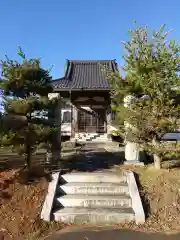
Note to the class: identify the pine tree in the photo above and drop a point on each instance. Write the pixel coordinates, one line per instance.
(152, 65)
(26, 126)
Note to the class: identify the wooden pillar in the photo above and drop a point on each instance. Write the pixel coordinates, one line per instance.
(108, 117)
(73, 121)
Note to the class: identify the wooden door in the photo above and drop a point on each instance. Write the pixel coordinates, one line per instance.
(87, 122)
(91, 123)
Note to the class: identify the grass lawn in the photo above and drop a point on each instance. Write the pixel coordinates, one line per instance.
(21, 204)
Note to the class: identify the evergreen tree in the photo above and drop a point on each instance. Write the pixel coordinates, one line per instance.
(26, 86)
(152, 65)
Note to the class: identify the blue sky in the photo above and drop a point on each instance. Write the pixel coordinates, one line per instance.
(57, 30)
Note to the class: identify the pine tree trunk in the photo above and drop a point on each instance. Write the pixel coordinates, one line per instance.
(157, 162)
(28, 146)
(28, 157)
(157, 158)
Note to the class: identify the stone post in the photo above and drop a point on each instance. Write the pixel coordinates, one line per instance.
(108, 120)
(132, 151)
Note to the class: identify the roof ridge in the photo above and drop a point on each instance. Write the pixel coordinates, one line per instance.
(95, 60)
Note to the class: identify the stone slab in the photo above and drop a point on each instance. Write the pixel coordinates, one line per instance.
(94, 216)
(93, 201)
(95, 177)
(94, 188)
(136, 200)
(49, 200)
(135, 163)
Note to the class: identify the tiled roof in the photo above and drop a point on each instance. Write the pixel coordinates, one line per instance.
(85, 74)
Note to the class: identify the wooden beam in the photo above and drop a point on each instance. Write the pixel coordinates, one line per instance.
(90, 102)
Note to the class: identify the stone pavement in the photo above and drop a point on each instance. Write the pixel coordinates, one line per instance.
(95, 156)
(109, 234)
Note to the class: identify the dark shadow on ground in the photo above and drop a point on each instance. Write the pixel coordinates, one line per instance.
(88, 159)
(4, 193)
(108, 234)
(168, 162)
(24, 176)
(68, 150)
(92, 158)
(34, 175)
(172, 161)
(4, 185)
(117, 139)
(65, 138)
(13, 161)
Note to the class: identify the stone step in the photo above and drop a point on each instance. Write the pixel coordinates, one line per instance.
(94, 188)
(90, 134)
(93, 139)
(101, 138)
(96, 139)
(95, 177)
(93, 136)
(93, 201)
(94, 215)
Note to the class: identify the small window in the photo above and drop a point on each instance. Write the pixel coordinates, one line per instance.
(66, 118)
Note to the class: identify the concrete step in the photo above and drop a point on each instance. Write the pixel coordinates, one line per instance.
(94, 188)
(97, 139)
(101, 138)
(94, 141)
(95, 177)
(91, 136)
(93, 201)
(94, 215)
